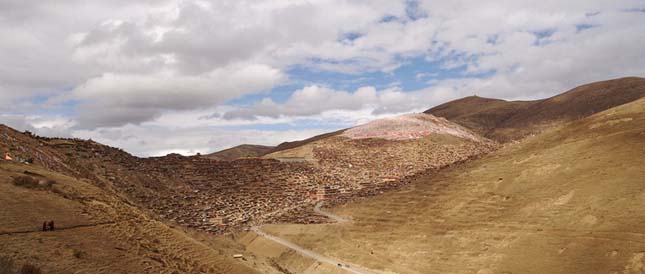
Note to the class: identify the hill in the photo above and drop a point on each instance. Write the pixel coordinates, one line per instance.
(95, 231)
(565, 201)
(482, 115)
(241, 151)
(505, 121)
(383, 153)
(294, 144)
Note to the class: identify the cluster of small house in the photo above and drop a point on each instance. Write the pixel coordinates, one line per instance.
(218, 196)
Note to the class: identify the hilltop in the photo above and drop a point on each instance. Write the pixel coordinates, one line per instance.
(241, 151)
(385, 152)
(505, 121)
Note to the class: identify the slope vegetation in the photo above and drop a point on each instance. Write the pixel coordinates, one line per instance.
(505, 121)
(566, 201)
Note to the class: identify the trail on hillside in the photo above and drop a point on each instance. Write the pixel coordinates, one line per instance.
(57, 229)
(349, 267)
(332, 216)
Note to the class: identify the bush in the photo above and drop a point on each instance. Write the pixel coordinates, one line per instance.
(25, 181)
(6, 266)
(30, 269)
(79, 253)
(31, 182)
(49, 183)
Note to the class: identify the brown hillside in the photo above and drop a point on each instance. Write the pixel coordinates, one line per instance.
(241, 151)
(386, 151)
(566, 201)
(95, 231)
(504, 121)
(294, 144)
(482, 115)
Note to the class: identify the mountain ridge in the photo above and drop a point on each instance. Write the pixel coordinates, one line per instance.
(506, 121)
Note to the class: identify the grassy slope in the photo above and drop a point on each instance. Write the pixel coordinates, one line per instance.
(481, 115)
(504, 121)
(566, 201)
(96, 232)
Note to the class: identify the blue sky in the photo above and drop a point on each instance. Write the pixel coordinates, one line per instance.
(198, 76)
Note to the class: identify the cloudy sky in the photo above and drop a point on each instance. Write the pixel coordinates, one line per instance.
(160, 76)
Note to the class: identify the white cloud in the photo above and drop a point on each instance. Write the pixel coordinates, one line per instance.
(129, 98)
(314, 101)
(145, 65)
(311, 100)
(40, 125)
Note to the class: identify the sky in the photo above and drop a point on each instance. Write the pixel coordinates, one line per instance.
(184, 76)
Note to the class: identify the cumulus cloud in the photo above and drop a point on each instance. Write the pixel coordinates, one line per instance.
(40, 125)
(128, 98)
(311, 100)
(132, 66)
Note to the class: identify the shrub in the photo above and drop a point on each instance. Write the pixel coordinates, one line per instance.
(30, 269)
(79, 253)
(25, 181)
(49, 183)
(31, 182)
(6, 266)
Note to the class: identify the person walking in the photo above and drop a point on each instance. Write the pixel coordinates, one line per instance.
(45, 226)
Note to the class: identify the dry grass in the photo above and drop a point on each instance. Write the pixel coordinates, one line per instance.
(506, 121)
(7, 266)
(96, 232)
(567, 201)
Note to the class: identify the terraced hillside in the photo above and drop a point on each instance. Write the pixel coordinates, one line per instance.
(565, 201)
(225, 196)
(505, 121)
(381, 154)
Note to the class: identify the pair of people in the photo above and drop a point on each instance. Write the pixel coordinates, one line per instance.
(48, 225)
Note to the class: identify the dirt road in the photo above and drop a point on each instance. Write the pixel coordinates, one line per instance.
(349, 267)
(332, 216)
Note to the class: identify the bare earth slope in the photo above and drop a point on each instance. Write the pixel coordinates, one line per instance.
(241, 151)
(504, 121)
(566, 201)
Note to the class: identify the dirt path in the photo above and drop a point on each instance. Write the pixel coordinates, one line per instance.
(332, 216)
(349, 267)
(57, 229)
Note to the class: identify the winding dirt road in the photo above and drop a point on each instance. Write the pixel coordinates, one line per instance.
(349, 267)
